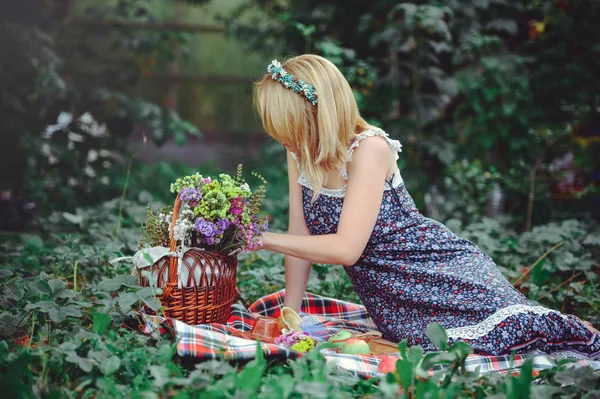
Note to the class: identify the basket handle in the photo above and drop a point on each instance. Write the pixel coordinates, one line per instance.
(173, 247)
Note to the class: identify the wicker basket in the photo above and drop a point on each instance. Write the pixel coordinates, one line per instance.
(208, 286)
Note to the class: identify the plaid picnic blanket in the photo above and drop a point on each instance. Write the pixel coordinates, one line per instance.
(212, 341)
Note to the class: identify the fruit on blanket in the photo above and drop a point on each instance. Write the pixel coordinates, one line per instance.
(387, 365)
(340, 335)
(356, 347)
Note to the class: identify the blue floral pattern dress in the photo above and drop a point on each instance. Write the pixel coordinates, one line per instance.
(415, 271)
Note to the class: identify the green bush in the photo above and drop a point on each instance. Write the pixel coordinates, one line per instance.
(503, 82)
(65, 313)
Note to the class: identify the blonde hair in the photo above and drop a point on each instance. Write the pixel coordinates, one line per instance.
(319, 135)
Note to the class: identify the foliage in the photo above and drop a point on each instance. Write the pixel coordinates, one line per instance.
(65, 339)
(67, 317)
(506, 83)
(52, 63)
(73, 158)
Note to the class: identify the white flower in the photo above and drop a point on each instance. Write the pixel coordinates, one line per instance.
(105, 153)
(46, 149)
(50, 130)
(72, 181)
(106, 164)
(92, 155)
(89, 171)
(165, 218)
(182, 229)
(98, 130)
(94, 129)
(245, 187)
(75, 137)
(86, 118)
(104, 180)
(64, 119)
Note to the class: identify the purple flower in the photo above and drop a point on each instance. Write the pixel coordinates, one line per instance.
(265, 225)
(190, 194)
(222, 225)
(206, 228)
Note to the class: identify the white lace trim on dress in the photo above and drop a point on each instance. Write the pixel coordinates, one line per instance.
(486, 326)
(395, 145)
(341, 192)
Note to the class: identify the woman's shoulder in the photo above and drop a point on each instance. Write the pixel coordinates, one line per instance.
(376, 145)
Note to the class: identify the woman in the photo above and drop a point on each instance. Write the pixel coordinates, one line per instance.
(349, 206)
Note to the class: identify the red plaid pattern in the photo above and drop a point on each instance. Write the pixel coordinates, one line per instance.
(211, 341)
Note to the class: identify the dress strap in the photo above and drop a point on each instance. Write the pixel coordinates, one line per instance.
(295, 159)
(395, 145)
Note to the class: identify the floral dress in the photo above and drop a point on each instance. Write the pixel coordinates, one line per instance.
(415, 271)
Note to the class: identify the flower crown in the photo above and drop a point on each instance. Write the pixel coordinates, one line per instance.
(290, 81)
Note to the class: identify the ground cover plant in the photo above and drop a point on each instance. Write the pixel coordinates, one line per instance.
(68, 318)
(470, 87)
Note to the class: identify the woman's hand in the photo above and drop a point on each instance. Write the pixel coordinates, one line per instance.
(257, 243)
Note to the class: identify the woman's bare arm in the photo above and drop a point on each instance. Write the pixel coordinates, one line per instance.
(368, 171)
(297, 270)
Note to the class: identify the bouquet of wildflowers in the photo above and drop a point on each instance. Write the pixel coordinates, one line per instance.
(297, 341)
(216, 214)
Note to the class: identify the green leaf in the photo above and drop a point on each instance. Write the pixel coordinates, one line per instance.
(57, 285)
(114, 284)
(404, 367)
(286, 385)
(83, 363)
(42, 286)
(71, 218)
(16, 378)
(71, 311)
(57, 315)
(432, 359)
(5, 274)
(462, 349)
(405, 371)
(110, 365)
(415, 354)
(160, 374)
(153, 303)
(109, 285)
(43, 306)
(249, 379)
(437, 335)
(101, 323)
(34, 241)
(148, 292)
(127, 280)
(127, 299)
